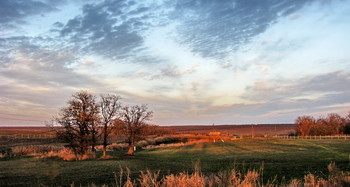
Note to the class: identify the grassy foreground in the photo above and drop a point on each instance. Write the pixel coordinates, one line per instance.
(285, 159)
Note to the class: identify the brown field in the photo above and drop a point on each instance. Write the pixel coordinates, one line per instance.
(24, 130)
(245, 130)
(228, 130)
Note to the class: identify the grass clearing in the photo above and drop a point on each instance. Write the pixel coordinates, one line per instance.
(281, 158)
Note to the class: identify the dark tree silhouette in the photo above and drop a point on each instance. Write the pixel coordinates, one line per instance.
(331, 125)
(110, 107)
(347, 127)
(335, 123)
(133, 122)
(304, 125)
(79, 121)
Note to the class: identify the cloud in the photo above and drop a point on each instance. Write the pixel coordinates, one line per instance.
(216, 29)
(14, 12)
(172, 71)
(195, 61)
(332, 82)
(117, 29)
(37, 79)
(32, 64)
(113, 29)
(273, 101)
(305, 94)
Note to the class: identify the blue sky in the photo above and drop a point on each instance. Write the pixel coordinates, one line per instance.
(192, 62)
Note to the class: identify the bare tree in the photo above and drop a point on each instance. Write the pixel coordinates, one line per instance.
(79, 122)
(347, 127)
(133, 121)
(331, 125)
(336, 124)
(110, 107)
(304, 124)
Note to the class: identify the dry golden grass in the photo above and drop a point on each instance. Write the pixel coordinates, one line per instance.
(68, 155)
(227, 179)
(46, 151)
(33, 150)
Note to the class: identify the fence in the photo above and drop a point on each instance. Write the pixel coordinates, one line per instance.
(342, 137)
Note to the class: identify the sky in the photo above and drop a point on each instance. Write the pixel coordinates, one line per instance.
(193, 62)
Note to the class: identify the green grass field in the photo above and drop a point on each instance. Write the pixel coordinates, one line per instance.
(281, 158)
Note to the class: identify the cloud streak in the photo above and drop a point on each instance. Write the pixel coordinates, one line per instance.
(193, 62)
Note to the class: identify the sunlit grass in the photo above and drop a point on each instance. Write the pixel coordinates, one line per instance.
(281, 158)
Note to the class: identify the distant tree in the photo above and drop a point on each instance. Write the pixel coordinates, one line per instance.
(109, 107)
(331, 125)
(335, 123)
(320, 128)
(304, 124)
(347, 127)
(79, 122)
(132, 122)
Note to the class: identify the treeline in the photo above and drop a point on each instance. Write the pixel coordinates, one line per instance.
(333, 124)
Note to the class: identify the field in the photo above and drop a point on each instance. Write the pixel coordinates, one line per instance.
(280, 159)
(244, 130)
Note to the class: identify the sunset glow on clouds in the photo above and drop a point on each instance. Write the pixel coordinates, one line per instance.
(192, 62)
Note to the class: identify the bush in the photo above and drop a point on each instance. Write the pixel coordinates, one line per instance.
(142, 143)
(118, 146)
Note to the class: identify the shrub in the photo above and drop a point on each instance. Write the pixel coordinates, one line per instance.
(150, 141)
(118, 146)
(142, 143)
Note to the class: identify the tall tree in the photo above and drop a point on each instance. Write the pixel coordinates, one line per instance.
(133, 121)
(110, 107)
(304, 124)
(336, 124)
(79, 122)
(347, 127)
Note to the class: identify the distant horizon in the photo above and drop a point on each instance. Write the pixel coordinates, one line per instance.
(166, 125)
(191, 62)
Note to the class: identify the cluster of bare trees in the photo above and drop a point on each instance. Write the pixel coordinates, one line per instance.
(85, 120)
(331, 125)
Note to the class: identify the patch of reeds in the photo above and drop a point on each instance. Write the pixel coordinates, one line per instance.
(46, 151)
(33, 150)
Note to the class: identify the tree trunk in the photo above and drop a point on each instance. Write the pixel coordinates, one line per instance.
(131, 149)
(93, 144)
(105, 141)
(93, 141)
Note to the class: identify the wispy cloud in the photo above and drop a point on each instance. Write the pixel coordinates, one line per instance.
(191, 61)
(14, 13)
(217, 29)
